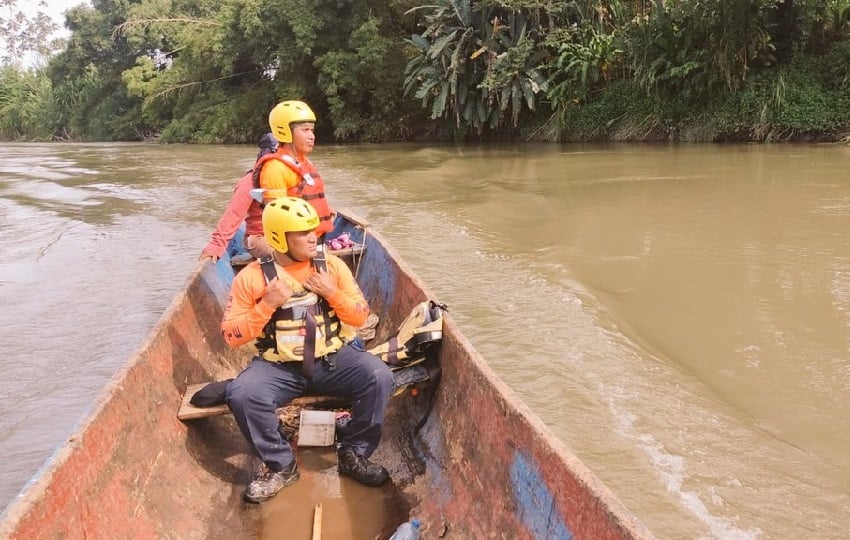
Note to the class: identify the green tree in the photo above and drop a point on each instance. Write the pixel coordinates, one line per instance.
(25, 104)
(26, 38)
(26, 99)
(479, 62)
(211, 71)
(588, 56)
(696, 51)
(86, 76)
(362, 86)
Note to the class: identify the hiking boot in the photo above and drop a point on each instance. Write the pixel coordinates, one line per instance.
(360, 468)
(267, 483)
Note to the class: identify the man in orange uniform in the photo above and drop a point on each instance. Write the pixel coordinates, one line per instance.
(302, 310)
(288, 171)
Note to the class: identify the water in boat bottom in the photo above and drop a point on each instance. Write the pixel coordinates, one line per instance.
(348, 508)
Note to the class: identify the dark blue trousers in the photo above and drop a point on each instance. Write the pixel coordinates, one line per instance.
(361, 377)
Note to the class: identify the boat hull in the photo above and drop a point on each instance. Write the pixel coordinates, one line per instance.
(469, 458)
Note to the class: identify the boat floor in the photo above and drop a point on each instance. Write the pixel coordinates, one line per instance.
(349, 510)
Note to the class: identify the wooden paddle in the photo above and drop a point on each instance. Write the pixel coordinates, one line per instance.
(317, 522)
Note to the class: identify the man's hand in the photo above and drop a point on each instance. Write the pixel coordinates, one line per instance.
(321, 283)
(278, 292)
(208, 255)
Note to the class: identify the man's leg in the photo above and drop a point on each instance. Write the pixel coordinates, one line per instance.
(367, 381)
(257, 246)
(253, 397)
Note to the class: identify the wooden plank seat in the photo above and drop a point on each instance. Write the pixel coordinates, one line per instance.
(190, 412)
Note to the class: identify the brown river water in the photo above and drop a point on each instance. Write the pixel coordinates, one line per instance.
(678, 315)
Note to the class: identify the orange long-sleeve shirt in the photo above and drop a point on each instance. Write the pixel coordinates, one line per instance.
(246, 314)
(242, 207)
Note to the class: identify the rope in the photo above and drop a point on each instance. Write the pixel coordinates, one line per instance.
(357, 257)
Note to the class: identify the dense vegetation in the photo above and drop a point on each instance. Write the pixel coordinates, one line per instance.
(210, 70)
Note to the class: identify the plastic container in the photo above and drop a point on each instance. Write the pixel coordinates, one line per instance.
(409, 530)
(316, 428)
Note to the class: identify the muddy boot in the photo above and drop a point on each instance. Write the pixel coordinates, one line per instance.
(267, 483)
(360, 468)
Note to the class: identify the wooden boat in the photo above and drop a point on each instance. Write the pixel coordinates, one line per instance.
(466, 456)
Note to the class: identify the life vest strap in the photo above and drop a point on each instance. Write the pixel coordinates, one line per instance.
(270, 272)
(422, 328)
(320, 263)
(309, 347)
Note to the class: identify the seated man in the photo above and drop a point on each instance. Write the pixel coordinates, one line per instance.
(301, 309)
(289, 171)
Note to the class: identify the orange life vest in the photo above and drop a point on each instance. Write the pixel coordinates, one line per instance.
(311, 187)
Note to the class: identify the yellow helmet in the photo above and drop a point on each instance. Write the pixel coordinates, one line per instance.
(286, 113)
(287, 214)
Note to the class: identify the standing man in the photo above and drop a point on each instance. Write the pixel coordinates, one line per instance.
(302, 311)
(288, 171)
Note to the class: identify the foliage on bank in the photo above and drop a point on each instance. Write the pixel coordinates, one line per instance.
(209, 70)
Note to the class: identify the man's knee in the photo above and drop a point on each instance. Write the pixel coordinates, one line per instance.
(235, 395)
(257, 246)
(372, 370)
(383, 378)
(242, 394)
